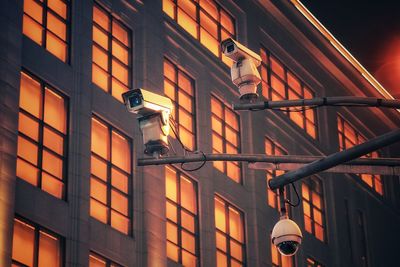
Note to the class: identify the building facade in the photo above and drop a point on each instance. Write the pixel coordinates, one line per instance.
(71, 192)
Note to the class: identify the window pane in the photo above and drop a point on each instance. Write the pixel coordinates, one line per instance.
(188, 259)
(98, 190)
(171, 212)
(209, 41)
(119, 180)
(221, 260)
(220, 221)
(120, 222)
(56, 26)
(168, 8)
(120, 52)
(119, 202)
(34, 10)
(236, 250)
(120, 33)
(188, 242)
(100, 77)
(220, 241)
(98, 168)
(120, 72)
(54, 111)
(170, 186)
(56, 46)
(117, 89)
(188, 196)
(52, 185)
(101, 18)
(30, 95)
(100, 139)
(32, 29)
(235, 225)
(53, 141)
(96, 262)
(27, 150)
(59, 7)
(100, 37)
(120, 153)
(172, 251)
(27, 172)
(23, 243)
(28, 126)
(172, 233)
(100, 57)
(49, 250)
(52, 164)
(98, 211)
(187, 221)
(187, 23)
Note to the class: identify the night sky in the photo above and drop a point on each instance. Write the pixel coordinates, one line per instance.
(370, 30)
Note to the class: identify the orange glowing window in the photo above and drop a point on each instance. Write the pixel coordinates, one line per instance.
(179, 87)
(279, 83)
(349, 137)
(310, 262)
(313, 207)
(205, 20)
(42, 135)
(278, 260)
(111, 53)
(182, 218)
(225, 137)
(47, 23)
(273, 148)
(96, 260)
(35, 246)
(111, 177)
(229, 234)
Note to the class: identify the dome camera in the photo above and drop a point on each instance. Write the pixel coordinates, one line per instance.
(286, 236)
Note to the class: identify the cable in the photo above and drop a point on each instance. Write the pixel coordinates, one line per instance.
(185, 149)
(297, 195)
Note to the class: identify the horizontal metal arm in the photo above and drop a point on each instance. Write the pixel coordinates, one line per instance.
(349, 101)
(335, 159)
(253, 158)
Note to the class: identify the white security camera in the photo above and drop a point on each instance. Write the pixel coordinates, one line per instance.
(286, 236)
(154, 111)
(244, 71)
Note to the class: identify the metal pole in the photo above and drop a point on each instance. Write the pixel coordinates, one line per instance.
(251, 158)
(335, 159)
(349, 101)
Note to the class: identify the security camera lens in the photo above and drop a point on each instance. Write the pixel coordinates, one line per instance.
(230, 48)
(135, 100)
(288, 247)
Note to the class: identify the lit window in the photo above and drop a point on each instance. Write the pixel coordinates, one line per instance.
(47, 23)
(349, 137)
(273, 149)
(179, 87)
(182, 218)
(34, 246)
(225, 137)
(42, 135)
(313, 207)
(229, 235)
(111, 53)
(278, 260)
(98, 261)
(111, 177)
(205, 20)
(279, 83)
(313, 263)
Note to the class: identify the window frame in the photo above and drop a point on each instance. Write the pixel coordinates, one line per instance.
(197, 20)
(43, 25)
(41, 126)
(306, 91)
(227, 234)
(224, 106)
(310, 183)
(107, 261)
(342, 137)
(37, 229)
(179, 209)
(108, 183)
(109, 52)
(176, 104)
(311, 262)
